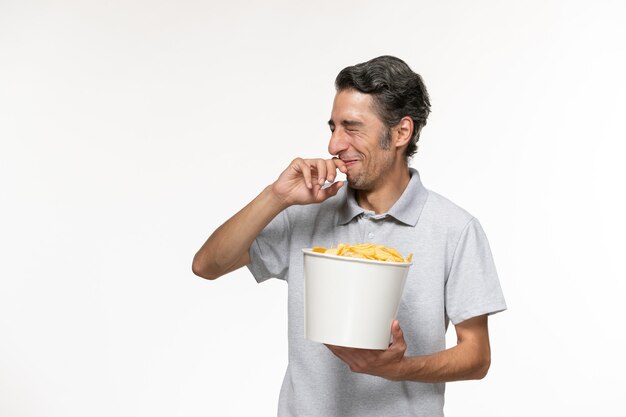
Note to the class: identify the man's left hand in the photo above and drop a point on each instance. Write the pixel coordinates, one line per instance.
(383, 363)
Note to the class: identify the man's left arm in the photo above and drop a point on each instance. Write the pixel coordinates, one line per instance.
(469, 359)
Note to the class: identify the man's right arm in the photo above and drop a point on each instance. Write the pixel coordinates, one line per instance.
(228, 248)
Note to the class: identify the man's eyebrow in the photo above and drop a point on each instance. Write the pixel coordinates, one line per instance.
(347, 123)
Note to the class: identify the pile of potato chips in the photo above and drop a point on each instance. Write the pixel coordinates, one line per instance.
(366, 251)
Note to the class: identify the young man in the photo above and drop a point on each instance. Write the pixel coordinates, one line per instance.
(378, 113)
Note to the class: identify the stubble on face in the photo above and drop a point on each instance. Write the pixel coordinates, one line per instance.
(379, 163)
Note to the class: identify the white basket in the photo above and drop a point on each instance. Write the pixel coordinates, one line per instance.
(350, 301)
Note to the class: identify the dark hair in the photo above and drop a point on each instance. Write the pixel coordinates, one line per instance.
(397, 92)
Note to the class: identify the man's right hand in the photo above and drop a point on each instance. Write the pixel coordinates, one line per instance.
(302, 181)
(228, 248)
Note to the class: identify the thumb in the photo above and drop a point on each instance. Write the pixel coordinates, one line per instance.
(396, 332)
(329, 191)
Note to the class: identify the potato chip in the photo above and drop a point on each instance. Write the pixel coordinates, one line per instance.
(366, 251)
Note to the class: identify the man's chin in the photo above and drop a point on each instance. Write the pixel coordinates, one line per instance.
(357, 183)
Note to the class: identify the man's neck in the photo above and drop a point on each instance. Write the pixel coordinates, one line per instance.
(382, 197)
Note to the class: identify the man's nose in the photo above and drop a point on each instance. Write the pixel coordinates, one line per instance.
(338, 143)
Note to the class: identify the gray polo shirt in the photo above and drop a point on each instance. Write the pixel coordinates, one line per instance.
(453, 278)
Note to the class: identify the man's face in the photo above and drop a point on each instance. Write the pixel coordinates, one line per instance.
(357, 135)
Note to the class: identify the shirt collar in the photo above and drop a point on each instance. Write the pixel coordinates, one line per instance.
(406, 209)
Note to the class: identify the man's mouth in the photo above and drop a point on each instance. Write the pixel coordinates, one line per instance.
(349, 162)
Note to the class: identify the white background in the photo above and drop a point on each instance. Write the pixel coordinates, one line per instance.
(129, 130)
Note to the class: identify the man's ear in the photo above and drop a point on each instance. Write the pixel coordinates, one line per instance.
(403, 132)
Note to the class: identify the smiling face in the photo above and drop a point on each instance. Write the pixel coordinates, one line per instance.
(360, 139)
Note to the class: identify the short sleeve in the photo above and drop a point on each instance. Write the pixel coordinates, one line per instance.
(472, 285)
(269, 253)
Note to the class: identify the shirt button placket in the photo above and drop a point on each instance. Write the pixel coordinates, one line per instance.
(369, 223)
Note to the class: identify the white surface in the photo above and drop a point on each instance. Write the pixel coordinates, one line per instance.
(351, 302)
(129, 130)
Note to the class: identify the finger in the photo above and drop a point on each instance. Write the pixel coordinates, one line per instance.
(316, 192)
(396, 331)
(331, 170)
(320, 165)
(395, 325)
(397, 335)
(340, 165)
(337, 351)
(304, 168)
(347, 356)
(326, 193)
(334, 189)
